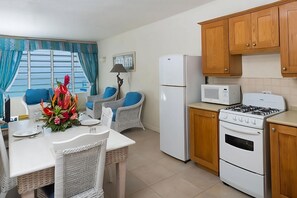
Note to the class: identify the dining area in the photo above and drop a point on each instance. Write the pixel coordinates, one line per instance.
(33, 155)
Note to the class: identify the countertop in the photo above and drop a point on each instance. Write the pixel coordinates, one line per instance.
(207, 106)
(287, 118)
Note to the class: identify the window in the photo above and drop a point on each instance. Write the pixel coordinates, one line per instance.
(42, 68)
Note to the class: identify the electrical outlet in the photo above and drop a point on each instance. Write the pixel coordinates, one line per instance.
(266, 92)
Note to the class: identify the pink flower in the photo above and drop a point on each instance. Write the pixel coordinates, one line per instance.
(57, 120)
(74, 116)
(66, 80)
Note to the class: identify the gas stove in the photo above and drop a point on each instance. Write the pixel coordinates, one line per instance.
(244, 156)
(253, 111)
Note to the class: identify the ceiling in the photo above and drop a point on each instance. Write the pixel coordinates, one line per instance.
(85, 20)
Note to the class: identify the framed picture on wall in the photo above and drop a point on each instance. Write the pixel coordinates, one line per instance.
(127, 59)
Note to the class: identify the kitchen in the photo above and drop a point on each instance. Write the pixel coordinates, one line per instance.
(236, 146)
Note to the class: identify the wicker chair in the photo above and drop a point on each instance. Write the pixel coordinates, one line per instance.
(126, 114)
(79, 167)
(6, 182)
(106, 117)
(94, 103)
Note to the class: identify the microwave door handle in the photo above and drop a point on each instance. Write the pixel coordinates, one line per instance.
(242, 130)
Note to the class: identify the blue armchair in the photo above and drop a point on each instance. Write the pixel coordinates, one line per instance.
(94, 103)
(126, 111)
(32, 98)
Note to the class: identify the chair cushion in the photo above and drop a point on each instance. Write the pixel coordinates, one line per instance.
(89, 105)
(131, 98)
(49, 190)
(34, 96)
(114, 113)
(109, 91)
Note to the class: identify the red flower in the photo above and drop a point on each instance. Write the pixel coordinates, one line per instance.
(66, 80)
(73, 109)
(63, 89)
(66, 117)
(48, 111)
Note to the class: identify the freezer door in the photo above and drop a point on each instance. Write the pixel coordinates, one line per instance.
(172, 70)
(173, 137)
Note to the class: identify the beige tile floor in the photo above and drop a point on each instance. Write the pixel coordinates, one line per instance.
(153, 174)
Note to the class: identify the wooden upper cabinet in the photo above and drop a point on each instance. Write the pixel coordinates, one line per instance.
(288, 39)
(240, 32)
(216, 59)
(255, 32)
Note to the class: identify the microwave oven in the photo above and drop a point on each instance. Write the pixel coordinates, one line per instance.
(220, 94)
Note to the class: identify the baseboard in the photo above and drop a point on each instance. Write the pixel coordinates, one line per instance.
(151, 127)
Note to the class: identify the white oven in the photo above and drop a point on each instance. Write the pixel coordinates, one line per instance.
(241, 158)
(242, 146)
(244, 143)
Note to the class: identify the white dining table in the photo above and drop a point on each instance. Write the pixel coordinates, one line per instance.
(32, 159)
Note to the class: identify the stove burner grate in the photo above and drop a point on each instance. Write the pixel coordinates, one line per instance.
(253, 109)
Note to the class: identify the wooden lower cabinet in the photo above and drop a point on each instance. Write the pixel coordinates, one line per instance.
(283, 153)
(204, 139)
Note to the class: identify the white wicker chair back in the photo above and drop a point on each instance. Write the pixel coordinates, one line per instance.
(6, 183)
(80, 164)
(106, 117)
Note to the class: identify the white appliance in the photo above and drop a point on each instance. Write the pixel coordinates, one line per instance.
(180, 82)
(220, 94)
(244, 143)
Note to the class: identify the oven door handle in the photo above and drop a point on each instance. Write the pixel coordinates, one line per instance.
(242, 130)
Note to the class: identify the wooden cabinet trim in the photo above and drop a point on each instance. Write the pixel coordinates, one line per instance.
(248, 11)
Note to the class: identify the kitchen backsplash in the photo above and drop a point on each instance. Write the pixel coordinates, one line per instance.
(287, 87)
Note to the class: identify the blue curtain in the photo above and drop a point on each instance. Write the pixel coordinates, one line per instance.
(89, 63)
(12, 51)
(9, 63)
(7, 44)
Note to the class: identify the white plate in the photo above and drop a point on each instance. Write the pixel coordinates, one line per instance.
(25, 133)
(89, 122)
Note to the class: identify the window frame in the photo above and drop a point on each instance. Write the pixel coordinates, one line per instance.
(73, 66)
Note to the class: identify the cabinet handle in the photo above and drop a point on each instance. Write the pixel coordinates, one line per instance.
(273, 129)
(247, 44)
(284, 68)
(226, 69)
(213, 116)
(254, 44)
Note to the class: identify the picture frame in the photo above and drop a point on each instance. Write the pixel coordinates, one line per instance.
(126, 59)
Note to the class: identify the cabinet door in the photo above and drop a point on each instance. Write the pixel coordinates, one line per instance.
(204, 138)
(240, 33)
(265, 31)
(283, 152)
(215, 49)
(288, 36)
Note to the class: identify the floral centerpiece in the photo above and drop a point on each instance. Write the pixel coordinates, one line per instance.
(61, 113)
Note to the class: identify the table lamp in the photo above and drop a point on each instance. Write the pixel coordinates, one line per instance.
(118, 68)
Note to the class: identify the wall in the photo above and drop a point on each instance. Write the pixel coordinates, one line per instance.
(177, 34)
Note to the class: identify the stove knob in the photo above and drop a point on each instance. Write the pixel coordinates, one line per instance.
(254, 122)
(240, 119)
(246, 120)
(234, 118)
(225, 116)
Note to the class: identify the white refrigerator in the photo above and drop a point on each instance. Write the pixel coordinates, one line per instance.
(180, 83)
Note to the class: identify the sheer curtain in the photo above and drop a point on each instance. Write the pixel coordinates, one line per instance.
(9, 63)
